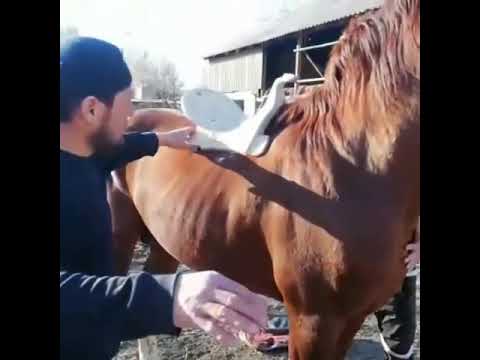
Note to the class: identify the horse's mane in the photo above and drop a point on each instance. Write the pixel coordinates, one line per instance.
(371, 84)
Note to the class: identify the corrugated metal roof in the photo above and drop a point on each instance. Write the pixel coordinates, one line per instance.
(315, 13)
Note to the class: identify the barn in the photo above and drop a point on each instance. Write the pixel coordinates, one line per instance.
(298, 42)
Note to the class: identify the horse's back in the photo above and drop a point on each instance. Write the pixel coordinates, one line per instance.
(163, 119)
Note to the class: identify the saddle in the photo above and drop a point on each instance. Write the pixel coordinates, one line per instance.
(222, 125)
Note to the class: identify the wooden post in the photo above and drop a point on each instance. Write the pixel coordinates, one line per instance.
(264, 70)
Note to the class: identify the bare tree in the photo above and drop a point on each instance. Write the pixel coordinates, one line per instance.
(142, 68)
(157, 81)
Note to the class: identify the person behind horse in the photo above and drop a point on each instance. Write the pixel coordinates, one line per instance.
(98, 310)
(397, 320)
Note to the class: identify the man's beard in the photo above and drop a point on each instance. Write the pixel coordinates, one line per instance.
(102, 141)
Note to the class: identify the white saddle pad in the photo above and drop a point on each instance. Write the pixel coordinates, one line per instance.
(222, 125)
(212, 110)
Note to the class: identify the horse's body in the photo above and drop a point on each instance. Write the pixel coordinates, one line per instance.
(322, 220)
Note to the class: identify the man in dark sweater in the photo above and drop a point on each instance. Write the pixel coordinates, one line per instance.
(97, 309)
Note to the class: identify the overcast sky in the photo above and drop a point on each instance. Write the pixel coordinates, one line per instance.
(180, 30)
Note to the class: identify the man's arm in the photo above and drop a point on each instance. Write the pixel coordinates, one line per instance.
(134, 147)
(138, 145)
(98, 312)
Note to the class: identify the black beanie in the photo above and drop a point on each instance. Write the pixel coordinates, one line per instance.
(90, 67)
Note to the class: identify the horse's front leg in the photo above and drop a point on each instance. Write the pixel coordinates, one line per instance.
(313, 336)
(314, 324)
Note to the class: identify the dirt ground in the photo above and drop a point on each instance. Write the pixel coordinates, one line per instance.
(196, 345)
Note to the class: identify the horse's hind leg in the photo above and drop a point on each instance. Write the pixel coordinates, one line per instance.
(127, 228)
(159, 261)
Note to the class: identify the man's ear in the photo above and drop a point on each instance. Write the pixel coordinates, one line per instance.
(92, 111)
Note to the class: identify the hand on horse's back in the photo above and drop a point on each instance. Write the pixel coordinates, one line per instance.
(178, 139)
(219, 306)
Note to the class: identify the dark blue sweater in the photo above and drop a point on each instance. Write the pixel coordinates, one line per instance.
(97, 309)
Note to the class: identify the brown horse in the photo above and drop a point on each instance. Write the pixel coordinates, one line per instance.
(322, 220)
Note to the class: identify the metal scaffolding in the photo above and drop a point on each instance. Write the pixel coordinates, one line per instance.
(298, 52)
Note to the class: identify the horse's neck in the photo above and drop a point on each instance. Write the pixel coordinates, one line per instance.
(355, 150)
(369, 134)
(385, 165)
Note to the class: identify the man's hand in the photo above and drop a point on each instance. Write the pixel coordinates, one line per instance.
(178, 139)
(413, 251)
(219, 306)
